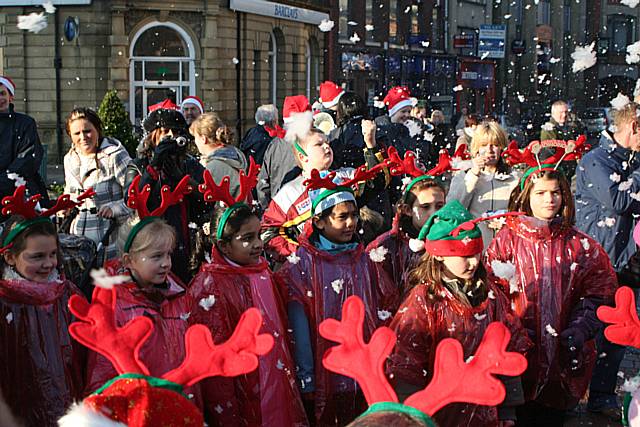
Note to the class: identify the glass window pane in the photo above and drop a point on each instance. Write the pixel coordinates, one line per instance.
(138, 114)
(161, 71)
(393, 20)
(185, 71)
(160, 41)
(137, 70)
(343, 26)
(159, 94)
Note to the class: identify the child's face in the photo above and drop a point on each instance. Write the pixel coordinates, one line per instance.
(458, 267)
(246, 245)
(427, 201)
(319, 154)
(340, 225)
(152, 265)
(38, 259)
(545, 199)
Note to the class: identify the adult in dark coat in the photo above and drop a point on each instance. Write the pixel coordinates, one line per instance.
(21, 152)
(257, 139)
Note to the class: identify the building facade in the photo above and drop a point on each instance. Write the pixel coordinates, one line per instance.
(235, 55)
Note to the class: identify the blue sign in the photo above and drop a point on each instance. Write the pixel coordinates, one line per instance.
(491, 41)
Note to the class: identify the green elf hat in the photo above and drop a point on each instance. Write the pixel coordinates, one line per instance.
(452, 231)
(18, 204)
(220, 193)
(327, 190)
(407, 166)
(453, 380)
(138, 200)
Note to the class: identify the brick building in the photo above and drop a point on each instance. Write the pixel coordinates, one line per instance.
(235, 55)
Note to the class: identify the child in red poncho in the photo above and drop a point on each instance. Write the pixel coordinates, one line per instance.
(450, 298)
(556, 276)
(41, 369)
(236, 279)
(329, 266)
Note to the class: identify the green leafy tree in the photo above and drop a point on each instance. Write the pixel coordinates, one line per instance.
(115, 121)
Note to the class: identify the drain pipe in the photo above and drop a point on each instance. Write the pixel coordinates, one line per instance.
(238, 77)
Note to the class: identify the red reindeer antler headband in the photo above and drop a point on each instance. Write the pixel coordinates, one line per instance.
(407, 166)
(138, 200)
(453, 379)
(221, 193)
(26, 207)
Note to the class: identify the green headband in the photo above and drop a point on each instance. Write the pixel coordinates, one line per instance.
(23, 225)
(299, 148)
(225, 217)
(531, 171)
(415, 181)
(136, 229)
(153, 382)
(328, 193)
(399, 407)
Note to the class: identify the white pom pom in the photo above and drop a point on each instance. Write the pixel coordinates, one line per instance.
(82, 416)
(416, 245)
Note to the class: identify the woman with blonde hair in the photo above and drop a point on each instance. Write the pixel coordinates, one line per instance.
(218, 155)
(486, 187)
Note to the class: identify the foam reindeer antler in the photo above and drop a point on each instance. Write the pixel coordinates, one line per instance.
(462, 153)
(99, 332)
(625, 326)
(138, 198)
(238, 355)
(403, 166)
(468, 225)
(361, 174)
(564, 151)
(444, 164)
(453, 379)
(369, 371)
(18, 205)
(64, 202)
(514, 156)
(221, 193)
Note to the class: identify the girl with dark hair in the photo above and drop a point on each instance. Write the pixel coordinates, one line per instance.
(556, 277)
(98, 162)
(235, 279)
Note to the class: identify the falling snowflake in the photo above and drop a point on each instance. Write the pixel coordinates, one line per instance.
(34, 22)
(384, 315)
(452, 328)
(235, 61)
(584, 57)
(218, 409)
(630, 3)
(609, 222)
(504, 270)
(428, 136)
(416, 245)
(633, 53)
(337, 285)
(521, 98)
(414, 127)
(457, 88)
(551, 331)
(49, 7)
(185, 316)
(425, 43)
(103, 280)
(293, 258)
(193, 226)
(378, 254)
(547, 126)
(355, 38)
(279, 364)
(326, 25)
(620, 101)
(469, 359)
(585, 244)
(479, 316)
(207, 302)
(614, 177)
(9, 317)
(368, 27)
(18, 180)
(573, 266)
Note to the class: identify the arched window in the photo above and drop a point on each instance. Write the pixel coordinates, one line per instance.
(313, 68)
(162, 66)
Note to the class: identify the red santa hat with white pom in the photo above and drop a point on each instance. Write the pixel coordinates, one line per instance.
(397, 98)
(330, 94)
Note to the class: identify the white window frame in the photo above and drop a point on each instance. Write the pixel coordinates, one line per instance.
(273, 70)
(178, 84)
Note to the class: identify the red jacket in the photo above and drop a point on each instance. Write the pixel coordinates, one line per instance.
(561, 276)
(424, 320)
(41, 366)
(269, 396)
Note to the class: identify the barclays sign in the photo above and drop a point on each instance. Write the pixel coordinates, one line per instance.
(278, 10)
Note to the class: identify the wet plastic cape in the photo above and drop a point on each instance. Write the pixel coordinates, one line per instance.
(424, 320)
(321, 282)
(168, 309)
(561, 276)
(41, 368)
(269, 396)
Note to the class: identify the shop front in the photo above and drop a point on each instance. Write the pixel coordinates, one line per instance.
(477, 83)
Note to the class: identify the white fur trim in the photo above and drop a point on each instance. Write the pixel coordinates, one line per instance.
(193, 101)
(400, 105)
(298, 125)
(10, 87)
(333, 102)
(81, 416)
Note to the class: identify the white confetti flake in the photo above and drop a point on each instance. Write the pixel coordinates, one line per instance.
(235, 61)
(469, 359)
(378, 254)
(310, 294)
(547, 126)
(503, 270)
(425, 43)
(573, 266)
(521, 98)
(551, 331)
(355, 38)
(633, 53)
(293, 258)
(631, 385)
(384, 315)
(630, 3)
(337, 285)
(49, 7)
(18, 180)
(614, 177)
(452, 328)
(103, 280)
(185, 316)
(9, 317)
(479, 316)
(414, 127)
(416, 245)
(279, 364)
(626, 185)
(583, 57)
(620, 101)
(207, 302)
(585, 244)
(457, 88)
(491, 295)
(609, 222)
(368, 27)
(33, 22)
(193, 226)
(218, 409)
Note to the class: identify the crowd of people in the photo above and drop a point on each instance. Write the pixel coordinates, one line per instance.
(439, 235)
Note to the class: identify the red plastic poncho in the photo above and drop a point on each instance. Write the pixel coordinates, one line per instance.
(394, 270)
(321, 282)
(269, 396)
(167, 308)
(41, 367)
(423, 320)
(559, 271)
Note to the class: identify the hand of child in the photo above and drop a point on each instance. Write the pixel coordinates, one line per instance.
(369, 133)
(479, 162)
(105, 212)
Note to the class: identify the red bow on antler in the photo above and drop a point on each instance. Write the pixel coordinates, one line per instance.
(360, 175)
(138, 198)
(121, 345)
(453, 379)
(275, 131)
(18, 205)
(625, 326)
(220, 192)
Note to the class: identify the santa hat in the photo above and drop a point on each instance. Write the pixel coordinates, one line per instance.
(397, 98)
(167, 104)
(294, 105)
(9, 84)
(330, 94)
(193, 100)
(136, 399)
